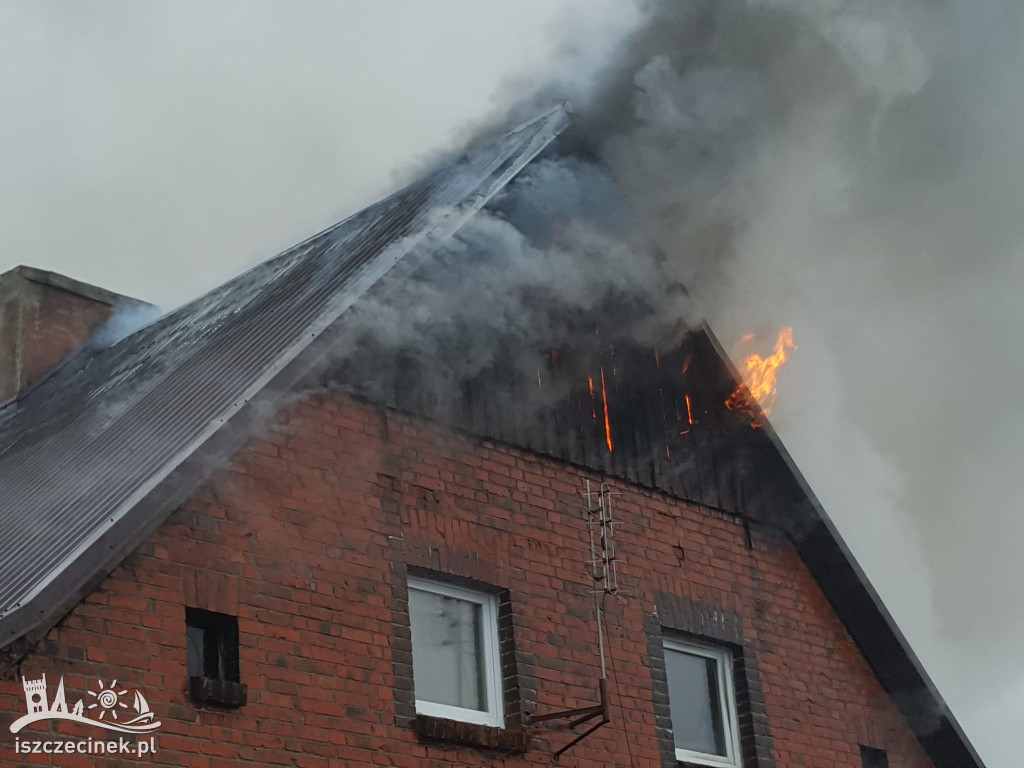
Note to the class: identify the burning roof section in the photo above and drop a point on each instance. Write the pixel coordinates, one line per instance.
(94, 457)
(81, 451)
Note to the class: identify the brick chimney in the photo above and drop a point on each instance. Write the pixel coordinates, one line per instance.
(43, 317)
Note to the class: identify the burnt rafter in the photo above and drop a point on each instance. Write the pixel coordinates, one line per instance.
(652, 413)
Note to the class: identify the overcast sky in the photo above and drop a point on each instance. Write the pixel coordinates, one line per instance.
(157, 149)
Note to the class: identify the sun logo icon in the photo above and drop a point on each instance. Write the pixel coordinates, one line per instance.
(108, 699)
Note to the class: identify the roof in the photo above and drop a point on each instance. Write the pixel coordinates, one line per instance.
(97, 455)
(81, 451)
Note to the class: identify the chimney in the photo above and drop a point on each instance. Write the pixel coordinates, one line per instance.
(43, 317)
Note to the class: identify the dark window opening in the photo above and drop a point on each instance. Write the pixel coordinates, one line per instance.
(211, 658)
(212, 645)
(873, 758)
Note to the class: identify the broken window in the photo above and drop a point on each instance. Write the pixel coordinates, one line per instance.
(212, 645)
(211, 658)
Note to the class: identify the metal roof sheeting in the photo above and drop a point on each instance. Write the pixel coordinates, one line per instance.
(80, 451)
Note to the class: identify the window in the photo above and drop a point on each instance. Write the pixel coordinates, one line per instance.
(873, 758)
(702, 703)
(455, 659)
(212, 645)
(211, 658)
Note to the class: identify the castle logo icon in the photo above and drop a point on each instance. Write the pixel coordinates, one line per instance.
(106, 708)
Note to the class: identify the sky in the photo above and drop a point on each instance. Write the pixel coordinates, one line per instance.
(157, 149)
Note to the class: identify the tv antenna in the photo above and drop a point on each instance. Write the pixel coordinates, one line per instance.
(604, 571)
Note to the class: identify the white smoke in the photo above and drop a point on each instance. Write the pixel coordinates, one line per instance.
(125, 320)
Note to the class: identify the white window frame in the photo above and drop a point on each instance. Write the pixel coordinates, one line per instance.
(727, 702)
(491, 663)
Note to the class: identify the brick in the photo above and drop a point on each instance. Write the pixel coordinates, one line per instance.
(308, 536)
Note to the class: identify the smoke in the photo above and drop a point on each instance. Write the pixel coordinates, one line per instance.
(848, 168)
(160, 149)
(554, 244)
(125, 320)
(853, 169)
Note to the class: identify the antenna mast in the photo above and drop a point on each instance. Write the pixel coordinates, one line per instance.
(604, 571)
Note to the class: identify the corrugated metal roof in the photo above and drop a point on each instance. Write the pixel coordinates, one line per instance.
(80, 451)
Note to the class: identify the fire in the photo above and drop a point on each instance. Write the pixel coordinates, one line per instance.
(607, 421)
(759, 375)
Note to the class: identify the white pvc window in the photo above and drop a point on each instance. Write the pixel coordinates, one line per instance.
(703, 704)
(455, 660)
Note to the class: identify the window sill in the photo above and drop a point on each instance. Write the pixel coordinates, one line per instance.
(224, 693)
(470, 734)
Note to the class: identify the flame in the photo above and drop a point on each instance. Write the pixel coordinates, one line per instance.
(607, 421)
(689, 411)
(759, 376)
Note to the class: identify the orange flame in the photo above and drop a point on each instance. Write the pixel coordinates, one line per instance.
(759, 376)
(607, 421)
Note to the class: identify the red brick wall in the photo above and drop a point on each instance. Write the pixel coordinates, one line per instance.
(39, 325)
(307, 535)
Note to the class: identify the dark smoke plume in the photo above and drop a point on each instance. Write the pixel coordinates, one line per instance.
(848, 168)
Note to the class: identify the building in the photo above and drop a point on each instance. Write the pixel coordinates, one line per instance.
(301, 571)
